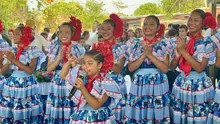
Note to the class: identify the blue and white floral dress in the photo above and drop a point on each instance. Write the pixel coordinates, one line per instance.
(148, 98)
(119, 52)
(4, 46)
(58, 107)
(20, 102)
(214, 115)
(192, 95)
(85, 113)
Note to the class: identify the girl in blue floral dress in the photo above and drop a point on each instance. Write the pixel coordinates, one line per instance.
(111, 29)
(96, 94)
(214, 115)
(148, 98)
(193, 90)
(20, 102)
(58, 107)
(4, 46)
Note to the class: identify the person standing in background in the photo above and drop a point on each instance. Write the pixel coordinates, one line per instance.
(39, 40)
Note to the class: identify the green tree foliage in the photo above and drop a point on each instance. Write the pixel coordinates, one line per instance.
(119, 5)
(148, 8)
(93, 11)
(59, 12)
(180, 6)
(13, 12)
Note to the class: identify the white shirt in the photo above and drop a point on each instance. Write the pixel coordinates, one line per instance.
(40, 41)
(93, 38)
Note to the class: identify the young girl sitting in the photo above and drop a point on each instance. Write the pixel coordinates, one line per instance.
(96, 94)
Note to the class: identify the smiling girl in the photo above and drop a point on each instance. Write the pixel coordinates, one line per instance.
(193, 91)
(20, 101)
(59, 107)
(96, 94)
(148, 99)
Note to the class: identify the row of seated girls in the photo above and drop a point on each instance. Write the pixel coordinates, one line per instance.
(98, 75)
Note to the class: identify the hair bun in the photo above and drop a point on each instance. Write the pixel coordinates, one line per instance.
(76, 23)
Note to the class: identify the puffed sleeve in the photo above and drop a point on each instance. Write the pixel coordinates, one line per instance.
(109, 87)
(135, 49)
(53, 49)
(35, 52)
(205, 49)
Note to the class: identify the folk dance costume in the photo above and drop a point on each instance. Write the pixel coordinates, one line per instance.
(97, 86)
(119, 110)
(58, 107)
(20, 102)
(85, 113)
(214, 115)
(193, 92)
(149, 96)
(4, 46)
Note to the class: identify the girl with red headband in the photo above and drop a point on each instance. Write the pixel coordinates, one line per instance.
(110, 30)
(214, 116)
(4, 46)
(96, 94)
(20, 101)
(148, 98)
(58, 106)
(193, 90)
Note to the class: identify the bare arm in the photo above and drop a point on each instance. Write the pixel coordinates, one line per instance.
(95, 103)
(161, 65)
(198, 66)
(27, 68)
(72, 61)
(92, 101)
(65, 70)
(132, 66)
(53, 64)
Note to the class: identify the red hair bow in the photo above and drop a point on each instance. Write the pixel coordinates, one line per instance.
(76, 23)
(1, 27)
(106, 50)
(118, 31)
(25, 39)
(161, 31)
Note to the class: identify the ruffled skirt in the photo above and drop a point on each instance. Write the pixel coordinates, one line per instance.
(58, 107)
(192, 98)
(148, 100)
(20, 102)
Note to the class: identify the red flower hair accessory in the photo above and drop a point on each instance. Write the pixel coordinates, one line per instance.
(76, 23)
(25, 39)
(118, 31)
(106, 50)
(209, 20)
(161, 31)
(11, 30)
(1, 27)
